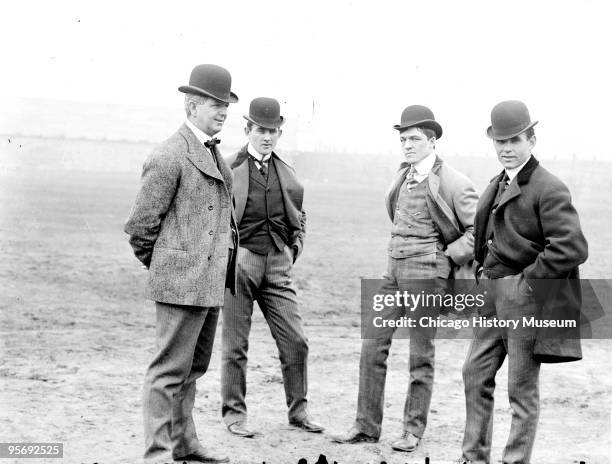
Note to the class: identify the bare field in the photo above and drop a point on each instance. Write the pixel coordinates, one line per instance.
(77, 334)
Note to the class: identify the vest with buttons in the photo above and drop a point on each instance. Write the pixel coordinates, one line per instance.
(264, 222)
(413, 232)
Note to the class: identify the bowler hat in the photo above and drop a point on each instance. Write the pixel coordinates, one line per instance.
(419, 115)
(210, 80)
(265, 112)
(509, 119)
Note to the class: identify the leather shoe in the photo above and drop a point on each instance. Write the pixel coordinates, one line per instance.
(408, 442)
(308, 425)
(354, 436)
(240, 429)
(203, 455)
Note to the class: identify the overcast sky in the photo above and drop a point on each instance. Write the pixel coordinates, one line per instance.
(344, 70)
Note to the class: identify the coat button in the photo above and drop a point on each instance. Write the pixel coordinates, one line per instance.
(209, 258)
(210, 232)
(210, 207)
(493, 210)
(211, 182)
(490, 242)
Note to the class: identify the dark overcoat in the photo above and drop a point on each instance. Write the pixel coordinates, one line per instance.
(537, 232)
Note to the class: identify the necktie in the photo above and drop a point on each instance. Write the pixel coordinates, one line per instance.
(264, 169)
(262, 165)
(411, 182)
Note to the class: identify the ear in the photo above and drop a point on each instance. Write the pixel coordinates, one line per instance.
(246, 130)
(532, 142)
(193, 108)
(280, 132)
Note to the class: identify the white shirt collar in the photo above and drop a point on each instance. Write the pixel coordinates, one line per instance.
(512, 172)
(200, 135)
(255, 154)
(423, 167)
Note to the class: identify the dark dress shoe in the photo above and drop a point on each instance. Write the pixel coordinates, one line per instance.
(203, 455)
(308, 425)
(239, 429)
(354, 436)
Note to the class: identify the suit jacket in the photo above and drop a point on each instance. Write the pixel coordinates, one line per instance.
(451, 199)
(537, 232)
(291, 188)
(179, 226)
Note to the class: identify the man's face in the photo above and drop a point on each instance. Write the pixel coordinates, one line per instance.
(513, 152)
(415, 145)
(263, 140)
(209, 116)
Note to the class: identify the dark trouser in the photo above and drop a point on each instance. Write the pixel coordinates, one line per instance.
(267, 280)
(184, 339)
(374, 352)
(486, 355)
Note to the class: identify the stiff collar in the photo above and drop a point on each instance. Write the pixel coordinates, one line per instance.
(255, 154)
(200, 135)
(424, 166)
(513, 172)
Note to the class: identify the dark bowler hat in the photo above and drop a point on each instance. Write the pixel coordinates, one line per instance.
(419, 115)
(265, 112)
(210, 80)
(508, 119)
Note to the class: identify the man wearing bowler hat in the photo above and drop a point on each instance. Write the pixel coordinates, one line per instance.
(432, 207)
(182, 229)
(527, 233)
(272, 225)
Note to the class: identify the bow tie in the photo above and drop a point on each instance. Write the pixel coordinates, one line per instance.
(211, 143)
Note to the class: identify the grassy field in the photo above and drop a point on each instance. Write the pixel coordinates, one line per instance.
(77, 334)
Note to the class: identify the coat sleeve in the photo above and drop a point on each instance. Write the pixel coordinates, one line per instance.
(298, 245)
(565, 247)
(160, 179)
(465, 201)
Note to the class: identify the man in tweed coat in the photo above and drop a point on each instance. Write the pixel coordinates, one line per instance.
(527, 232)
(182, 229)
(272, 224)
(432, 207)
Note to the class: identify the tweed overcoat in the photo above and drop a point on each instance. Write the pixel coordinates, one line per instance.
(179, 226)
(451, 199)
(291, 188)
(537, 232)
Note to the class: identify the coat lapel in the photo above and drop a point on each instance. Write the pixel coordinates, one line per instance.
(240, 168)
(199, 156)
(433, 183)
(293, 193)
(514, 188)
(392, 192)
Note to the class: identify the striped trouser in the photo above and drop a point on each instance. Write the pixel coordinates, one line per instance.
(488, 350)
(267, 280)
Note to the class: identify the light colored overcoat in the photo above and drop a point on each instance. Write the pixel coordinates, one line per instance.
(179, 226)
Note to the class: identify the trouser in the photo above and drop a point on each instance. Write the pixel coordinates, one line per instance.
(267, 280)
(184, 339)
(435, 268)
(489, 348)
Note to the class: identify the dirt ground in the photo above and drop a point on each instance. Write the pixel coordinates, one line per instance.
(76, 333)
